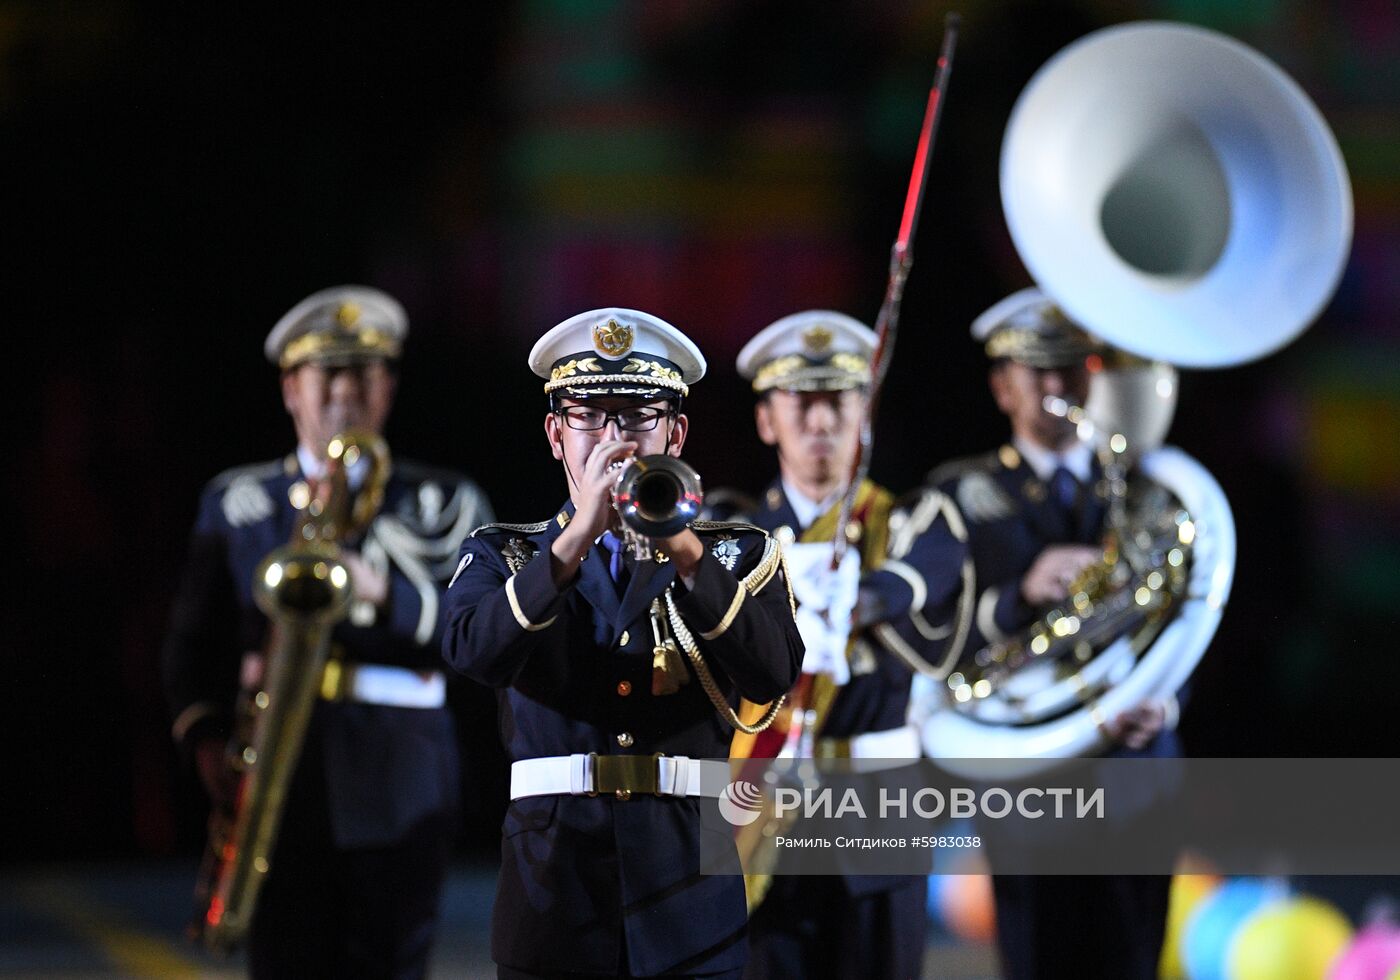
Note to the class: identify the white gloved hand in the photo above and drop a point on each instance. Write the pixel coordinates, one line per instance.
(826, 598)
(927, 696)
(821, 655)
(815, 583)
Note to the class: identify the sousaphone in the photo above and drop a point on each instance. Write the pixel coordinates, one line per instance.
(1180, 197)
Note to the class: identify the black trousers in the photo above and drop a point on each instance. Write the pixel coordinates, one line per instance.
(347, 913)
(507, 973)
(812, 926)
(1051, 926)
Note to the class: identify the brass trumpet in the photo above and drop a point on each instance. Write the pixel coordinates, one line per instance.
(304, 589)
(656, 496)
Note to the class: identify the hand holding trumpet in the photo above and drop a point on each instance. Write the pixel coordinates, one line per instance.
(596, 512)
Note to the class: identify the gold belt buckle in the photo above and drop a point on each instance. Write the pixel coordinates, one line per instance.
(337, 675)
(623, 775)
(832, 748)
(337, 680)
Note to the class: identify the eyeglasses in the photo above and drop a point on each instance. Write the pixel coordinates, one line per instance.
(628, 419)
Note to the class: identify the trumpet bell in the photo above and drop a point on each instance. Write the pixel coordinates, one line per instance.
(658, 495)
(1177, 193)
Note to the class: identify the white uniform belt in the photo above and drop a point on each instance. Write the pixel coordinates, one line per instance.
(395, 687)
(895, 743)
(588, 774)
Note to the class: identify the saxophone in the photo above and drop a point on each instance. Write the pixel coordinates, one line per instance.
(304, 589)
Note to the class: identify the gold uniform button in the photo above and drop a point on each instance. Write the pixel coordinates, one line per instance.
(624, 688)
(625, 740)
(624, 794)
(622, 640)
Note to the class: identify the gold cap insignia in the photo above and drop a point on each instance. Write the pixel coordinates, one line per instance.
(348, 315)
(612, 339)
(817, 340)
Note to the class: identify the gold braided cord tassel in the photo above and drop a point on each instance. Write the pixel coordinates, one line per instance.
(773, 559)
(767, 567)
(707, 680)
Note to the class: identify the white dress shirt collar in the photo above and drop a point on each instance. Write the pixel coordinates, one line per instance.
(1078, 459)
(807, 509)
(313, 467)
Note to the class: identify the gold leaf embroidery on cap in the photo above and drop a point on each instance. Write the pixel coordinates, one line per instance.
(637, 365)
(779, 367)
(570, 368)
(851, 363)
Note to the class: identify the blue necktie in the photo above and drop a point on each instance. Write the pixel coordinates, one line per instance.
(613, 544)
(1065, 487)
(1064, 490)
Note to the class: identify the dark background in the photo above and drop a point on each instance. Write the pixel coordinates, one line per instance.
(176, 179)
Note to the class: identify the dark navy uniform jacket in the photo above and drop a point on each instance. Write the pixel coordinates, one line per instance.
(1010, 517)
(386, 768)
(589, 884)
(876, 698)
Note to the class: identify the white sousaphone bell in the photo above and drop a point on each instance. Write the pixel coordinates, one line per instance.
(1180, 197)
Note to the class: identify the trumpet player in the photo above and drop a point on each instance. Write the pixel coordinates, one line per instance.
(371, 814)
(617, 676)
(1029, 518)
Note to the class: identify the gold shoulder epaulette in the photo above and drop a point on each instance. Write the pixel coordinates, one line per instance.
(713, 526)
(955, 469)
(251, 471)
(499, 528)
